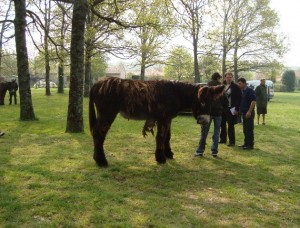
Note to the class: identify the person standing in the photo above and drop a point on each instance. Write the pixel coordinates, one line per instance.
(232, 99)
(261, 93)
(13, 91)
(216, 116)
(247, 109)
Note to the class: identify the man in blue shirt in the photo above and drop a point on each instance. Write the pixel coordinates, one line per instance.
(247, 109)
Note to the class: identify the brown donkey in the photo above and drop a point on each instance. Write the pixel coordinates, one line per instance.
(157, 102)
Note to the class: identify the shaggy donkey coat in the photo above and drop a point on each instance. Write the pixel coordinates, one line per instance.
(157, 102)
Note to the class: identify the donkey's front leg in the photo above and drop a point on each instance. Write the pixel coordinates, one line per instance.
(162, 130)
(168, 152)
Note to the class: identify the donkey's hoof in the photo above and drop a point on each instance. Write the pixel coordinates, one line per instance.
(169, 155)
(161, 160)
(102, 163)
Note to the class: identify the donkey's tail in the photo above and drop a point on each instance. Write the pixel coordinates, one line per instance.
(92, 113)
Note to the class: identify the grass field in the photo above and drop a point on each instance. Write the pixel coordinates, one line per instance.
(49, 179)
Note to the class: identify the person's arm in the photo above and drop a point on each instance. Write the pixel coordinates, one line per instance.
(252, 105)
(238, 97)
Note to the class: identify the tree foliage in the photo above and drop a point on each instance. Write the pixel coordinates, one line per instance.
(179, 65)
(246, 33)
(289, 80)
(149, 39)
(191, 15)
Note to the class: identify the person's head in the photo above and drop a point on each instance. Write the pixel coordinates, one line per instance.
(263, 81)
(228, 77)
(242, 83)
(216, 76)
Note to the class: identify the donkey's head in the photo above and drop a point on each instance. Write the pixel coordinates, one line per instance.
(202, 108)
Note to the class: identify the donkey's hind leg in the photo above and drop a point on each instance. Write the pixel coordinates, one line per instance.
(99, 133)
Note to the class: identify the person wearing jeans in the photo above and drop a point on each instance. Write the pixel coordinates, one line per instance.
(216, 117)
(204, 132)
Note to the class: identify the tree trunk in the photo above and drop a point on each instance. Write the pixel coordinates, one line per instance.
(75, 108)
(196, 64)
(224, 55)
(60, 71)
(47, 67)
(26, 107)
(47, 60)
(87, 70)
(143, 56)
(143, 68)
(235, 62)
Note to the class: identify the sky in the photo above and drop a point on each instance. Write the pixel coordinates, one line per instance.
(288, 12)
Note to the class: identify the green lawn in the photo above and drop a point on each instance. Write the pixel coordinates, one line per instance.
(48, 177)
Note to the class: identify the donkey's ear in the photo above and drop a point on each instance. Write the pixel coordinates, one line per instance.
(217, 91)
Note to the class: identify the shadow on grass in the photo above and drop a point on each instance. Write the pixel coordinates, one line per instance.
(60, 185)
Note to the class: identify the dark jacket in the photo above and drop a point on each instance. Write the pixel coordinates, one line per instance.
(13, 87)
(247, 97)
(261, 96)
(236, 96)
(218, 104)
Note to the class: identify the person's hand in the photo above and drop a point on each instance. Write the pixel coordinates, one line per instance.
(248, 115)
(236, 113)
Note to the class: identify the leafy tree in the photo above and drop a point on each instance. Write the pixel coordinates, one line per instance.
(98, 67)
(179, 65)
(62, 16)
(248, 34)
(9, 63)
(43, 8)
(5, 25)
(102, 37)
(208, 65)
(289, 80)
(190, 18)
(154, 20)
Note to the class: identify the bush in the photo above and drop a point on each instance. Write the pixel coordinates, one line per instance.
(278, 87)
(289, 80)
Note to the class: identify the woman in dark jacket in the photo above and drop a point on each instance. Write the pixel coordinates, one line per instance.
(216, 116)
(233, 96)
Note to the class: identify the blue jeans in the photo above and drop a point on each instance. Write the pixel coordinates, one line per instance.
(204, 132)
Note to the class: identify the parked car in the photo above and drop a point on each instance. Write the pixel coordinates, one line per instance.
(42, 84)
(270, 87)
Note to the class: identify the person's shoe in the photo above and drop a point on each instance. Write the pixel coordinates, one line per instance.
(198, 154)
(231, 144)
(1, 133)
(214, 155)
(263, 123)
(248, 148)
(222, 142)
(242, 145)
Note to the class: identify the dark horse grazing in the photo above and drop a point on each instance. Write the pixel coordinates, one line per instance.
(157, 102)
(4, 86)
